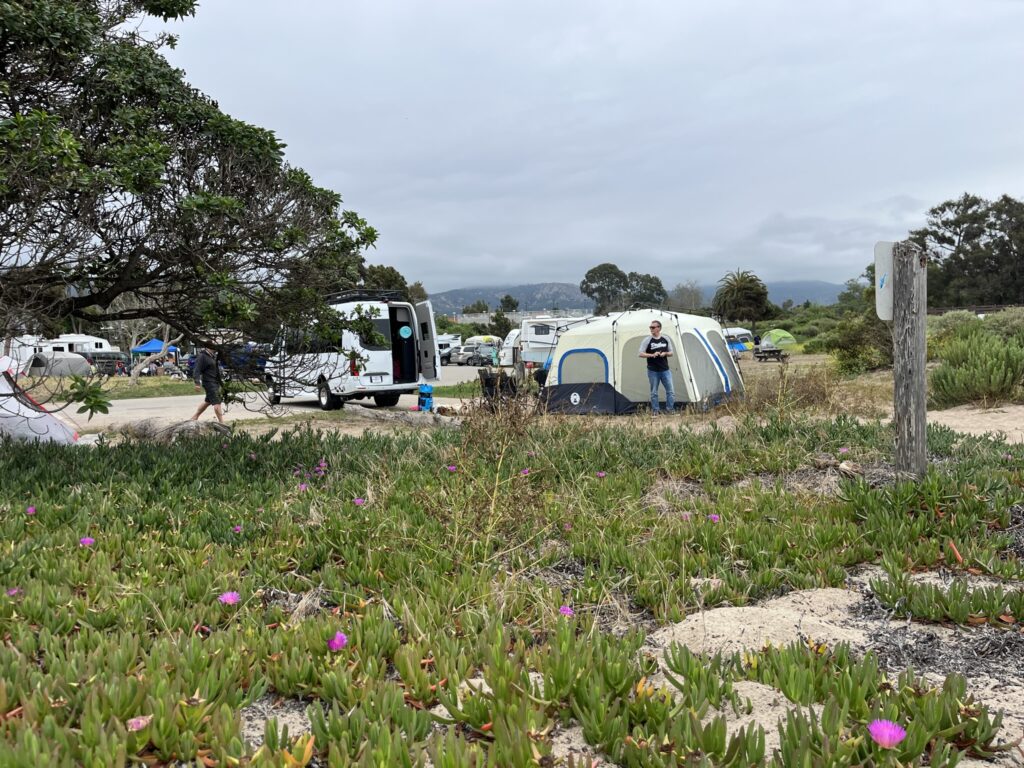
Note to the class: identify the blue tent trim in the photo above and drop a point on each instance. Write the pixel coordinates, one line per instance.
(151, 346)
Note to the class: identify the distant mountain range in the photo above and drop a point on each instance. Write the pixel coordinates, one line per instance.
(567, 296)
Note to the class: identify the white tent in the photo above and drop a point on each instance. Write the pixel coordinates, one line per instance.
(58, 364)
(596, 367)
(21, 417)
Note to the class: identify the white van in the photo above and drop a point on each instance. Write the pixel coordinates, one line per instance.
(399, 356)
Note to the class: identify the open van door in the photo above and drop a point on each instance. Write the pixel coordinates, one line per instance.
(430, 358)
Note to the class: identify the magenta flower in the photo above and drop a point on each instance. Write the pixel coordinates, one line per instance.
(601, 474)
(886, 733)
(30, 511)
(524, 471)
(565, 610)
(452, 467)
(138, 723)
(714, 518)
(339, 641)
(13, 591)
(567, 526)
(686, 515)
(844, 450)
(237, 529)
(230, 598)
(359, 502)
(223, 445)
(86, 541)
(303, 486)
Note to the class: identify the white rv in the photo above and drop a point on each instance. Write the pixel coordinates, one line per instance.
(395, 359)
(508, 355)
(539, 335)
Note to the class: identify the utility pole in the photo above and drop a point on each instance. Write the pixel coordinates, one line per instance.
(901, 297)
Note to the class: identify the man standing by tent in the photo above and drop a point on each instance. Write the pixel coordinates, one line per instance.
(658, 349)
(207, 377)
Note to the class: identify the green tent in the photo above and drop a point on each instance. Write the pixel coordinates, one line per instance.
(779, 338)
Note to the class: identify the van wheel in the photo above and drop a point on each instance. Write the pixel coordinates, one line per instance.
(328, 400)
(272, 394)
(387, 400)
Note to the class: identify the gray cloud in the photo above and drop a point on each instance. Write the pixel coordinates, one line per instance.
(493, 141)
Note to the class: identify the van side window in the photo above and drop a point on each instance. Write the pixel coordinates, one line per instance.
(380, 338)
(425, 330)
(542, 330)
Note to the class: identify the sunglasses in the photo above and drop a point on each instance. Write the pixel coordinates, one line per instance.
(655, 327)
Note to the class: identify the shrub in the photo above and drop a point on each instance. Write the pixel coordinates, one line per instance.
(977, 367)
(942, 328)
(863, 344)
(1007, 324)
(810, 331)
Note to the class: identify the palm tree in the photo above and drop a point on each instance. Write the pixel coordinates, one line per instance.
(741, 295)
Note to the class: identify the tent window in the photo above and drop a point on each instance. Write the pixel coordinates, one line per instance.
(722, 351)
(705, 372)
(583, 366)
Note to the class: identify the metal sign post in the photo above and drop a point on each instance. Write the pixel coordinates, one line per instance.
(903, 299)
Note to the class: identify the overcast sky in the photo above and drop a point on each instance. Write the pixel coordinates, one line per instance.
(527, 141)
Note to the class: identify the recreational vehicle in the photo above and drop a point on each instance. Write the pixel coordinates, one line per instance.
(394, 359)
(539, 335)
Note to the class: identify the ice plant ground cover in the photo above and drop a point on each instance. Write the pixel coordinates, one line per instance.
(424, 626)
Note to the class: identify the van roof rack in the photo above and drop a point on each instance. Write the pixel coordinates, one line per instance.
(366, 294)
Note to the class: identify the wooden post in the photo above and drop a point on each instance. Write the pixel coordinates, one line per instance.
(910, 303)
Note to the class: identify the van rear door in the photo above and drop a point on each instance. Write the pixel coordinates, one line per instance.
(430, 359)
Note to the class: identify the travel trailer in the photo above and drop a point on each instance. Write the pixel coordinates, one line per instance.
(596, 367)
(395, 359)
(539, 335)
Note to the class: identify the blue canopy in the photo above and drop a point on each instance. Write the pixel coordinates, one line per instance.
(151, 346)
(738, 346)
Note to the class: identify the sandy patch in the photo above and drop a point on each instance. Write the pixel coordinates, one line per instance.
(819, 614)
(289, 712)
(768, 707)
(1008, 419)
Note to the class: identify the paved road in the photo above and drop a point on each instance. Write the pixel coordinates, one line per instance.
(182, 407)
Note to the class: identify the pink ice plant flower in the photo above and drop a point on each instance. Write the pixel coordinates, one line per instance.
(30, 511)
(567, 526)
(565, 610)
(303, 486)
(339, 641)
(844, 450)
(229, 598)
(359, 502)
(86, 541)
(686, 515)
(13, 591)
(452, 468)
(714, 518)
(886, 733)
(601, 474)
(237, 529)
(524, 471)
(138, 723)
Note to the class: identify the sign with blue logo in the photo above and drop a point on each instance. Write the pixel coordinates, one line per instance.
(405, 332)
(883, 280)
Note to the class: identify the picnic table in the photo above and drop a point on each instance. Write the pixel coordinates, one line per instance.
(762, 354)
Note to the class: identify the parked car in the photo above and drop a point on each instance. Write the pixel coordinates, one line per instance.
(472, 354)
(446, 356)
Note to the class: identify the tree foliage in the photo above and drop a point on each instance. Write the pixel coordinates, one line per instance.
(976, 251)
(127, 194)
(477, 307)
(613, 290)
(686, 297)
(742, 296)
(509, 303)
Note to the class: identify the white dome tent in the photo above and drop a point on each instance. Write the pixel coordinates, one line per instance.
(596, 369)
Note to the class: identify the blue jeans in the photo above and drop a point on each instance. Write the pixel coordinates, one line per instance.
(665, 379)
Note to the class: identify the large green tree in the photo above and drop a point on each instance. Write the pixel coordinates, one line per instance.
(645, 290)
(976, 251)
(607, 285)
(742, 296)
(127, 194)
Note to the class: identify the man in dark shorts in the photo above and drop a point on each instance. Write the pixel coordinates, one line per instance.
(658, 349)
(207, 377)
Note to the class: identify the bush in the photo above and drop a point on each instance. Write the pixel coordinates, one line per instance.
(1007, 324)
(810, 331)
(942, 328)
(977, 367)
(863, 344)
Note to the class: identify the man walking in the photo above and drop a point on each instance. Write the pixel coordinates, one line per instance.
(658, 349)
(207, 377)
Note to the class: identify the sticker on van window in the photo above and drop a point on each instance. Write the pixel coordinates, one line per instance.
(405, 332)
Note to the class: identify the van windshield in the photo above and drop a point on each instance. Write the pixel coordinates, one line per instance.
(378, 339)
